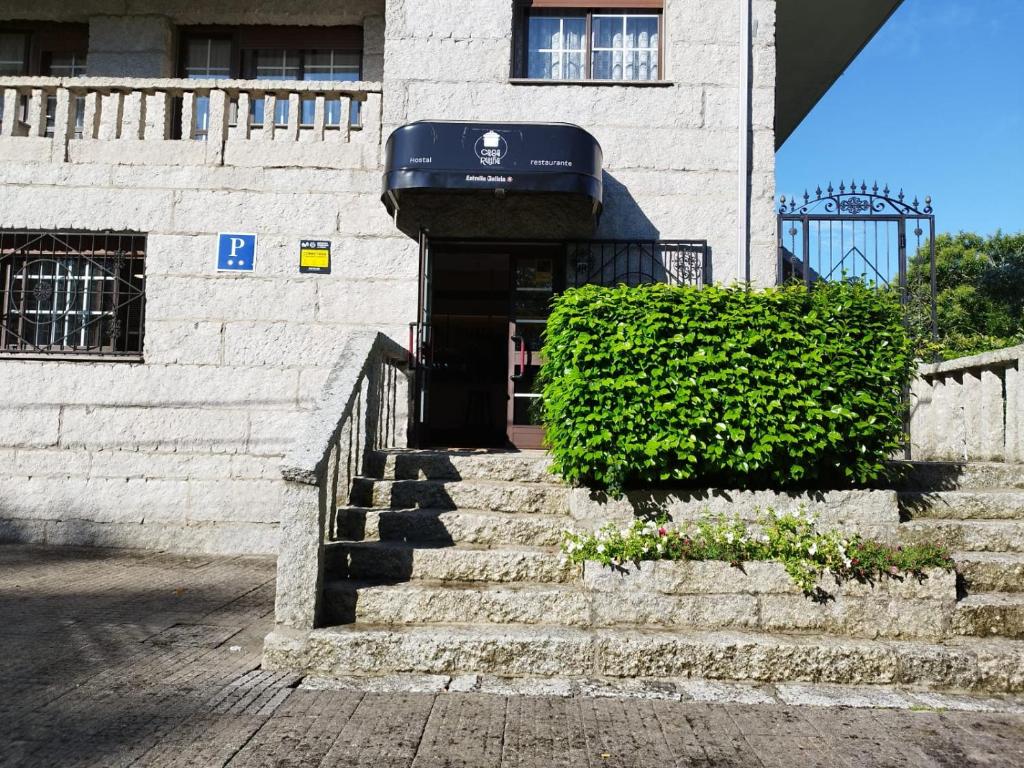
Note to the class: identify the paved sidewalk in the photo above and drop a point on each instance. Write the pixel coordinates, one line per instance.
(122, 659)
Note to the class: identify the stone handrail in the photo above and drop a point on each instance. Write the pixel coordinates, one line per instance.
(970, 409)
(164, 109)
(364, 408)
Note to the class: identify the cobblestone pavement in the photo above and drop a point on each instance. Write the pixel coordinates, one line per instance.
(122, 659)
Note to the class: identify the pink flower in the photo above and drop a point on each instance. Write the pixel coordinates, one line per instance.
(662, 531)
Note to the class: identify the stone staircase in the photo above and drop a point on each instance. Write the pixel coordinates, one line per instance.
(447, 563)
(976, 510)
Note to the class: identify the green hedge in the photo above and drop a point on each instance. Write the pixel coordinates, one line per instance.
(726, 387)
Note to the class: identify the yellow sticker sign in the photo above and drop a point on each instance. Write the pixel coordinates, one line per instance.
(315, 256)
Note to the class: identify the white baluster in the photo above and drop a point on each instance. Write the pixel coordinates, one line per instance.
(218, 118)
(269, 107)
(63, 120)
(131, 120)
(36, 117)
(156, 116)
(110, 116)
(10, 112)
(241, 130)
(188, 102)
(92, 113)
(292, 131)
(343, 129)
(319, 117)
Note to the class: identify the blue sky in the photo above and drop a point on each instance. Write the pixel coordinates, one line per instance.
(935, 104)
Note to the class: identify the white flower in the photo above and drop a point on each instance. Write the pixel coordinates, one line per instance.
(729, 537)
(600, 549)
(812, 550)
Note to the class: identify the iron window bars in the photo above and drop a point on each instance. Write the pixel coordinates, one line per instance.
(72, 294)
(636, 262)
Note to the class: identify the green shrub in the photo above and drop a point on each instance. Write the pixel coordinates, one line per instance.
(726, 387)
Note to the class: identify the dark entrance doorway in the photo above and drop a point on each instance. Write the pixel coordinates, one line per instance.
(484, 306)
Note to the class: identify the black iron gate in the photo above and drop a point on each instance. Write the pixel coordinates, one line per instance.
(856, 233)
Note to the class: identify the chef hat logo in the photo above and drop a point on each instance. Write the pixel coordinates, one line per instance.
(492, 140)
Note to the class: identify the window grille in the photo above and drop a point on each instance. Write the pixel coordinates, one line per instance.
(637, 262)
(72, 294)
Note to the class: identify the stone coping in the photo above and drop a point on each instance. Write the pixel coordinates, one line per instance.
(184, 84)
(984, 360)
(306, 461)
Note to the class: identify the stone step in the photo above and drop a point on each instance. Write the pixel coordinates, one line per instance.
(969, 535)
(397, 561)
(572, 605)
(512, 466)
(964, 505)
(994, 665)
(990, 614)
(546, 498)
(463, 526)
(435, 603)
(949, 476)
(991, 571)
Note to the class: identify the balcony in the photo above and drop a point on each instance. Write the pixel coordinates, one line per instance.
(190, 122)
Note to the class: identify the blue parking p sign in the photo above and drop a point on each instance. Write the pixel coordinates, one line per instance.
(236, 253)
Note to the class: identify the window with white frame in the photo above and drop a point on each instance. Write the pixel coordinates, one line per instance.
(579, 43)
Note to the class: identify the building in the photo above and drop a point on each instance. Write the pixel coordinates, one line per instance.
(198, 201)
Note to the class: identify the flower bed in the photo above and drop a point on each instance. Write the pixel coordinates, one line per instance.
(793, 539)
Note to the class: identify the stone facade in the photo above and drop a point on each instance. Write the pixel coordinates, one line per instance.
(182, 451)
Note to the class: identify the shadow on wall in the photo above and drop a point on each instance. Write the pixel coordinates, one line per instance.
(623, 218)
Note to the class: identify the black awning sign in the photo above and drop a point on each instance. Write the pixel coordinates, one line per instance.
(529, 157)
(315, 256)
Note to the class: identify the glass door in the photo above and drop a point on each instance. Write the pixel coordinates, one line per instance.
(533, 286)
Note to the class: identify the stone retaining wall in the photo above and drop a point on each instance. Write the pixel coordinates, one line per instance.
(761, 596)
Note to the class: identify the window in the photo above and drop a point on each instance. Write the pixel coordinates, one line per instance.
(47, 49)
(587, 43)
(13, 54)
(72, 294)
(207, 58)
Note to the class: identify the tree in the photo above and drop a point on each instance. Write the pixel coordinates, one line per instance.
(980, 300)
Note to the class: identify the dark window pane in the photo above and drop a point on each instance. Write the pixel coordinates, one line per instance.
(13, 47)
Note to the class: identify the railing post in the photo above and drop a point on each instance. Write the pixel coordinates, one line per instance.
(188, 101)
(241, 130)
(10, 112)
(216, 129)
(291, 132)
(156, 113)
(91, 112)
(36, 117)
(110, 115)
(269, 121)
(319, 117)
(300, 558)
(132, 108)
(63, 122)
